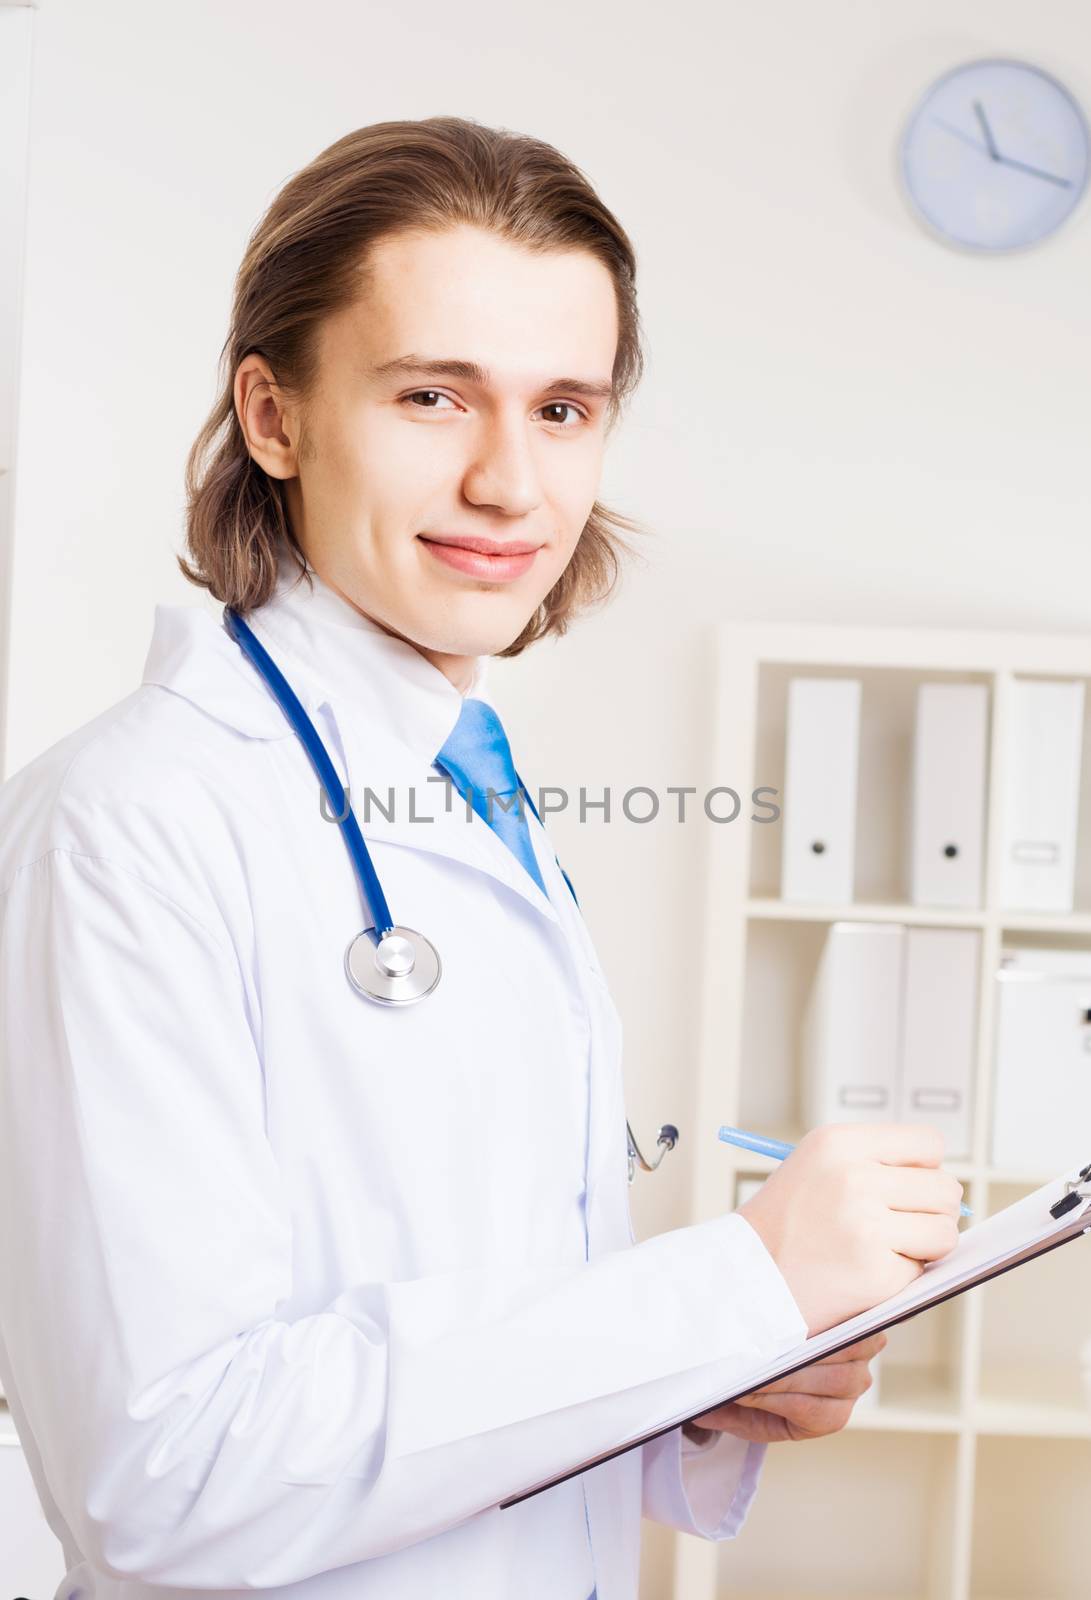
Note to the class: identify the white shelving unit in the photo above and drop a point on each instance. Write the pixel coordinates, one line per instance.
(970, 1478)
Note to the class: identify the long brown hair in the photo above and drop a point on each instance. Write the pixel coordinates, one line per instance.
(303, 263)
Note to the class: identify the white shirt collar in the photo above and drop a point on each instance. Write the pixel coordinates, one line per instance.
(329, 651)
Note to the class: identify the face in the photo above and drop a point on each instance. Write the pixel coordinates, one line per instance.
(455, 438)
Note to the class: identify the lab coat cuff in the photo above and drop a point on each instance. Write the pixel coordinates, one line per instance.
(777, 1299)
(720, 1479)
(703, 1489)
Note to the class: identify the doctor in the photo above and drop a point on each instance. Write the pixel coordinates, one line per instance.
(296, 1286)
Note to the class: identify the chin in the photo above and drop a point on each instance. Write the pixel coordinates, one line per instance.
(483, 629)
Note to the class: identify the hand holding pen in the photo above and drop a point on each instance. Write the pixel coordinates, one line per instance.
(855, 1213)
(776, 1148)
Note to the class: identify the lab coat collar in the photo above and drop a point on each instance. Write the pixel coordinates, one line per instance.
(376, 701)
(330, 650)
(193, 655)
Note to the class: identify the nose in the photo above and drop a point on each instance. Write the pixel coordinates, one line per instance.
(503, 473)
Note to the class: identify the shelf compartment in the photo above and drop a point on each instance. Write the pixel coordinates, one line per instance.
(912, 1399)
(836, 1487)
(1030, 1519)
(781, 962)
(919, 1368)
(887, 727)
(1042, 1398)
(1033, 1324)
(918, 1385)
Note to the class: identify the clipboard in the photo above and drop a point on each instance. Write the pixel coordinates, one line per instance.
(1053, 1215)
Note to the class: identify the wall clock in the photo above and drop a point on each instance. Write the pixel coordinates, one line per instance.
(996, 156)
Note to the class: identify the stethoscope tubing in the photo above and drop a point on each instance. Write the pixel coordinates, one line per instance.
(285, 696)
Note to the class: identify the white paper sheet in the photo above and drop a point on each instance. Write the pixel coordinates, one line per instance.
(983, 1248)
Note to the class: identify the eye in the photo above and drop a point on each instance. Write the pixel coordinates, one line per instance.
(564, 405)
(428, 394)
(432, 397)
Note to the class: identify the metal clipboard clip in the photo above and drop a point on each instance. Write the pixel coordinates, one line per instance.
(1079, 1189)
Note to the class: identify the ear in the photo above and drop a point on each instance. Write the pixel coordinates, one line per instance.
(269, 423)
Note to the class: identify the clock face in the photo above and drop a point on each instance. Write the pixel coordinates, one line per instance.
(996, 155)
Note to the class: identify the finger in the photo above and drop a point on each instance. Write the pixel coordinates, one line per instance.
(848, 1379)
(921, 1236)
(813, 1414)
(914, 1189)
(901, 1144)
(862, 1350)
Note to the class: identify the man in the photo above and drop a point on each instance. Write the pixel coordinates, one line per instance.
(296, 1287)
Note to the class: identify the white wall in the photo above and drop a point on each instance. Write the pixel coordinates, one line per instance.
(841, 418)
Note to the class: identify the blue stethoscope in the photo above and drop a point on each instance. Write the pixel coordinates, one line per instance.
(387, 963)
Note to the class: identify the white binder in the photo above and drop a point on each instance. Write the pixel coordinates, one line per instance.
(948, 795)
(888, 1031)
(1041, 794)
(851, 1026)
(819, 829)
(938, 1034)
(1042, 1072)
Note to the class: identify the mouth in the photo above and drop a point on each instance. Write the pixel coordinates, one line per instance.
(495, 560)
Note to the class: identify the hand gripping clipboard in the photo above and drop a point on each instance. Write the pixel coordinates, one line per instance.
(1043, 1221)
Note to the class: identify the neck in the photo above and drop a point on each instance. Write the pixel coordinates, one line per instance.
(458, 670)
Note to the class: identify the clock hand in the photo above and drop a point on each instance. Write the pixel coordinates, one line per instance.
(1005, 161)
(1021, 166)
(979, 113)
(967, 138)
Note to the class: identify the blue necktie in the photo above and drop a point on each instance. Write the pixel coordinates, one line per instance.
(477, 757)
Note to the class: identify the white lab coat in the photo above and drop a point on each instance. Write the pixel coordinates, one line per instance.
(295, 1288)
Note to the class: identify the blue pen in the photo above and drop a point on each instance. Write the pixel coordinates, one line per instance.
(775, 1148)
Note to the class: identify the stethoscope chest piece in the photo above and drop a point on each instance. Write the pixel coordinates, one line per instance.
(395, 970)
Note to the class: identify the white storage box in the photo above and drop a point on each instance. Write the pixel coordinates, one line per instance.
(1041, 795)
(1042, 1082)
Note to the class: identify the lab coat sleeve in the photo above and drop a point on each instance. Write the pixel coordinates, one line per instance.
(704, 1489)
(190, 1434)
(707, 1488)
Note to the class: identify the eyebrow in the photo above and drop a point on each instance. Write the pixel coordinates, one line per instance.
(473, 372)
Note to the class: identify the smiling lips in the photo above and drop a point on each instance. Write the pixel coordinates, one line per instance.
(499, 560)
